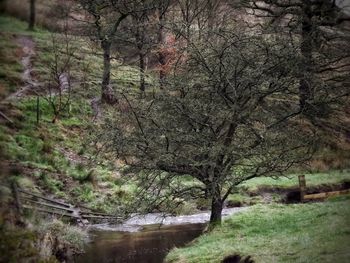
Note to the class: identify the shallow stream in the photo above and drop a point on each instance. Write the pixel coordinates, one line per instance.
(144, 239)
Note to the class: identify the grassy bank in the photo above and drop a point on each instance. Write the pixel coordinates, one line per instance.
(264, 190)
(312, 179)
(314, 232)
(59, 159)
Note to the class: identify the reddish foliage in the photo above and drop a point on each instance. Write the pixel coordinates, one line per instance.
(173, 53)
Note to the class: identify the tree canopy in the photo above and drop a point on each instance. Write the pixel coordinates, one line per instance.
(226, 115)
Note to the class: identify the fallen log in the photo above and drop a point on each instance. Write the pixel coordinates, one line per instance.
(101, 217)
(51, 206)
(45, 198)
(95, 213)
(324, 195)
(51, 211)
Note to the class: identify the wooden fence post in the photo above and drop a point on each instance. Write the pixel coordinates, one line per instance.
(302, 187)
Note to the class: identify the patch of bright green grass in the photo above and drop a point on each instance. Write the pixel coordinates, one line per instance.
(12, 25)
(292, 180)
(314, 232)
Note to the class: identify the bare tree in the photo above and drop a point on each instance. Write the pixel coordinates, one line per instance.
(224, 118)
(142, 32)
(58, 87)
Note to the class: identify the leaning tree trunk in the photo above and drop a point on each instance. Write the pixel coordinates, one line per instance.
(216, 208)
(107, 92)
(31, 15)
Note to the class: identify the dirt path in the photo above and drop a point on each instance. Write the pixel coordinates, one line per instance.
(28, 51)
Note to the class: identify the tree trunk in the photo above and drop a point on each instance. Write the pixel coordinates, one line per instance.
(142, 71)
(211, 13)
(305, 86)
(161, 55)
(107, 93)
(140, 43)
(216, 209)
(31, 15)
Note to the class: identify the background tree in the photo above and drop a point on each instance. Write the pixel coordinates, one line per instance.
(162, 7)
(105, 18)
(31, 15)
(141, 33)
(223, 119)
(140, 21)
(316, 29)
(321, 32)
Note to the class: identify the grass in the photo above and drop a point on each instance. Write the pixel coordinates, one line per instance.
(314, 232)
(42, 149)
(11, 69)
(261, 190)
(292, 180)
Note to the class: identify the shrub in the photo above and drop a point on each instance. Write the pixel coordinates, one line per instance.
(71, 235)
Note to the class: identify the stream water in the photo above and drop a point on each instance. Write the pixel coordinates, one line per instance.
(147, 246)
(144, 239)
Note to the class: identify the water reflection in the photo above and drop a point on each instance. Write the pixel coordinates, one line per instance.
(147, 246)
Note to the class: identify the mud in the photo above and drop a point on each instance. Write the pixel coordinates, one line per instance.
(237, 259)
